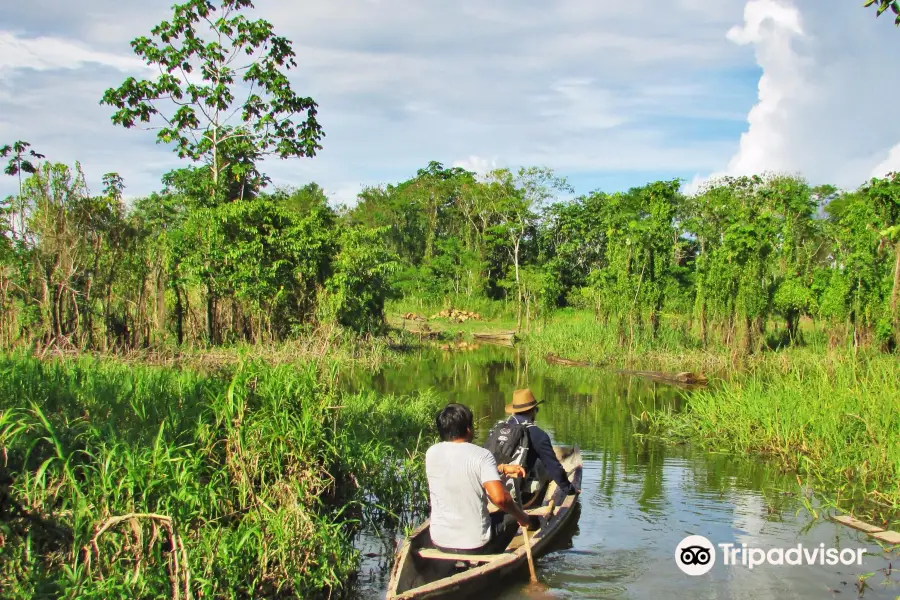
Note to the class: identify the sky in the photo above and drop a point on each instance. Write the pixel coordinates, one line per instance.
(609, 94)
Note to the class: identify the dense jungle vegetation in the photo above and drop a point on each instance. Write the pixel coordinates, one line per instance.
(94, 272)
(124, 480)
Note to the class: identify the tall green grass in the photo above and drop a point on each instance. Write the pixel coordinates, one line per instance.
(834, 419)
(577, 333)
(129, 481)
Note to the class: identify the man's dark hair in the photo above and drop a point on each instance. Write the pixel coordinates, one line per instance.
(453, 421)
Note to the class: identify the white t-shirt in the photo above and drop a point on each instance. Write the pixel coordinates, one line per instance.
(456, 474)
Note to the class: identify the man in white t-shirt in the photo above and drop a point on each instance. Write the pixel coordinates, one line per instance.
(461, 479)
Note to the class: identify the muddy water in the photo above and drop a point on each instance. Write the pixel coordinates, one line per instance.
(640, 497)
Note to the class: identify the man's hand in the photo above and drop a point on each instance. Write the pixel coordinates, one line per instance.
(500, 497)
(529, 522)
(511, 470)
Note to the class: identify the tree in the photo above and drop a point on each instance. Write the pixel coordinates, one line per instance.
(517, 200)
(884, 197)
(215, 40)
(359, 287)
(18, 164)
(197, 114)
(883, 5)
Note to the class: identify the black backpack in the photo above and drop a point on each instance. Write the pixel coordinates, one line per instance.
(508, 442)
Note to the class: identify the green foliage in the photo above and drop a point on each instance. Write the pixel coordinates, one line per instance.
(233, 56)
(274, 259)
(883, 5)
(21, 160)
(360, 284)
(835, 419)
(251, 472)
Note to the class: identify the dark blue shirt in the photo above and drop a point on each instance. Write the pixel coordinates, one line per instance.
(539, 446)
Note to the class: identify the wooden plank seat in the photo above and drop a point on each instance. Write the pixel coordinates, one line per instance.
(434, 553)
(540, 511)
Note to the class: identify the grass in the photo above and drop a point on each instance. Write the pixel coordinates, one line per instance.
(242, 472)
(832, 419)
(123, 480)
(331, 344)
(828, 414)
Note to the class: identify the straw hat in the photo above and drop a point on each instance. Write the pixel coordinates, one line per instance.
(523, 401)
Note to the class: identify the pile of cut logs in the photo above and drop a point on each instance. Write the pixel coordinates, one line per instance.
(457, 316)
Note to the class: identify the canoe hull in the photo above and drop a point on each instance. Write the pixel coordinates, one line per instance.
(415, 578)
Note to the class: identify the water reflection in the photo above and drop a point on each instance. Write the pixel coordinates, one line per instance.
(640, 497)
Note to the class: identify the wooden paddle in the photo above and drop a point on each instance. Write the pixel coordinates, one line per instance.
(528, 544)
(528, 553)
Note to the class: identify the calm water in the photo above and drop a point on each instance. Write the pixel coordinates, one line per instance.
(640, 497)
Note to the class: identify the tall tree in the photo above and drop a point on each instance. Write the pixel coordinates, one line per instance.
(517, 201)
(20, 161)
(202, 116)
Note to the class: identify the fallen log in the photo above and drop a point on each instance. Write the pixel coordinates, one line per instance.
(567, 362)
(683, 378)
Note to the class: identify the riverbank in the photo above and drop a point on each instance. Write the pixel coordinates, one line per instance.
(577, 335)
(127, 480)
(330, 344)
(833, 419)
(830, 415)
(251, 468)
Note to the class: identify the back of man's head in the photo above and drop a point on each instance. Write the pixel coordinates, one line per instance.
(454, 422)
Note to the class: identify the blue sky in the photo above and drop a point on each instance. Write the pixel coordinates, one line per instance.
(610, 95)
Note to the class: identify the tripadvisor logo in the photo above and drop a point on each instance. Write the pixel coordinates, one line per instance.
(696, 555)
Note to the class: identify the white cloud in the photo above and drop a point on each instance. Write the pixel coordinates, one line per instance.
(890, 165)
(46, 53)
(478, 165)
(586, 87)
(814, 113)
(344, 193)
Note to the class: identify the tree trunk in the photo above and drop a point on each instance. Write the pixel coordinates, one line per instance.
(748, 337)
(895, 296)
(161, 301)
(703, 325)
(518, 284)
(792, 317)
(89, 310)
(656, 309)
(179, 316)
(432, 227)
(210, 313)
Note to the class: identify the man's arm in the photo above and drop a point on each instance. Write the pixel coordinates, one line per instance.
(500, 497)
(511, 470)
(541, 443)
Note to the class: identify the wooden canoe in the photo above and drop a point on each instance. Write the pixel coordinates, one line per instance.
(496, 337)
(421, 571)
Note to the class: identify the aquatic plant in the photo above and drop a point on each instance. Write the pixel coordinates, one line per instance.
(136, 481)
(834, 419)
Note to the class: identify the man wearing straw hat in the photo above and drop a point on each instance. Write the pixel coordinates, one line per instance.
(541, 461)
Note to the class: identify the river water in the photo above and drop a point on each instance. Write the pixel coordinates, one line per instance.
(640, 496)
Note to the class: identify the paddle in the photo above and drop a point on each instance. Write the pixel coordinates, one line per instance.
(528, 545)
(528, 553)
(534, 586)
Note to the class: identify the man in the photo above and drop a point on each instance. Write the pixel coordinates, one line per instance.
(541, 461)
(461, 479)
